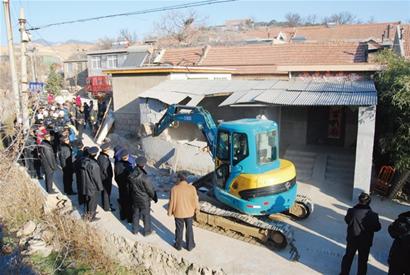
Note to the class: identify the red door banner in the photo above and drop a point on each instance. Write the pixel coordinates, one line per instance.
(334, 129)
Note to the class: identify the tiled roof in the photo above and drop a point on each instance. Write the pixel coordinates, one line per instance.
(263, 59)
(286, 54)
(350, 32)
(182, 56)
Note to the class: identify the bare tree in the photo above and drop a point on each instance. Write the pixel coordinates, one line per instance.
(127, 35)
(178, 25)
(311, 19)
(341, 18)
(293, 19)
(371, 20)
(104, 43)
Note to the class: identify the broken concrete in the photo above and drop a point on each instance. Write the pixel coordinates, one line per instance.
(158, 261)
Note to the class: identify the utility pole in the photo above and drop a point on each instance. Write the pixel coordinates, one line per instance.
(33, 64)
(13, 72)
(24, 91)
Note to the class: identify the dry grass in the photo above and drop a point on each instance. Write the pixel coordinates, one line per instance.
(20, 198)
(77, 242)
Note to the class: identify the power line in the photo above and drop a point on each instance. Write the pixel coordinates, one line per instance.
(167, 8)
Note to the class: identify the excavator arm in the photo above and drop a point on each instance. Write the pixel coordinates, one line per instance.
(195, 115)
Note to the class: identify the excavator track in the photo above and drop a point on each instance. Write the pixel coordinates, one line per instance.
(256, 230)
(302, 208)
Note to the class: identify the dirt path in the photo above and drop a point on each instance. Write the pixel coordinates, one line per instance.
(320, 239)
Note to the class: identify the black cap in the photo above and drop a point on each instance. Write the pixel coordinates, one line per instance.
(124, 153)
(105, 146)
(364, 198)
(93, 150)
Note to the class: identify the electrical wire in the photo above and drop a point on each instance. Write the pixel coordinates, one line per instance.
(167, 8)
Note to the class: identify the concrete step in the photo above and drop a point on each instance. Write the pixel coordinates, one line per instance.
(300, 158)
(347, 157)
(339, 163)
(292, 153)
(338, 178)
(339, 170)
(304, 165)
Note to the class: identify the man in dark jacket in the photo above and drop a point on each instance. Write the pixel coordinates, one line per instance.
(142, 192)
(48, 162)
(66, 162)
(399, 255)
(91, 177)
(106, 176)
(122, 170)
(362, 222)
(80, 157)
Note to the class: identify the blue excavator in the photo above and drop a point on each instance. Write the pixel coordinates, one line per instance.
(250, 185)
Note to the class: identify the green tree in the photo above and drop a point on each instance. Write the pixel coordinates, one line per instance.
(393, 115)
(54, 81)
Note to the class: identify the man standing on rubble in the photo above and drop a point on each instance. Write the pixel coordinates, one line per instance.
(182, 205)
(362, 222)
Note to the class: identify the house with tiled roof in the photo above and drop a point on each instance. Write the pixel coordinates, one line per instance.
(380, 32)
(262, 61)
(317, 92)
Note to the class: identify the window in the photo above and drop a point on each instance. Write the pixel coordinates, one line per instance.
(266, 147)
(223, 146)
(96, 62)
(112, 61)
(240, 147)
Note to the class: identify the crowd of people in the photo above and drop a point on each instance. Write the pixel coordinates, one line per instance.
(56, 141)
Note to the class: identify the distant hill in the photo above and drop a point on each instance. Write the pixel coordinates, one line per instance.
(42, 42)
(51, 43)
(74, 41)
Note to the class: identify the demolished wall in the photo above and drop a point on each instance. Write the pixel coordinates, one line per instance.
(183, 147)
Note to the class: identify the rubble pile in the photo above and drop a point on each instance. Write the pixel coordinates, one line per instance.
(154, 259)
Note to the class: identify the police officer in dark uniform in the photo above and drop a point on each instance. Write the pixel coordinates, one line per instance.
(66, 162)
(362, 222)
(106, 176)
(122, 170)
(82, 153)
(91, 176)
(48, 162)
(142, 192)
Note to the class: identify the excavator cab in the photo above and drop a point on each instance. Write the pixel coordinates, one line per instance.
(248, 170)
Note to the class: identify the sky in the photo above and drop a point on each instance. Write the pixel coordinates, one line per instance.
(44, 12)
